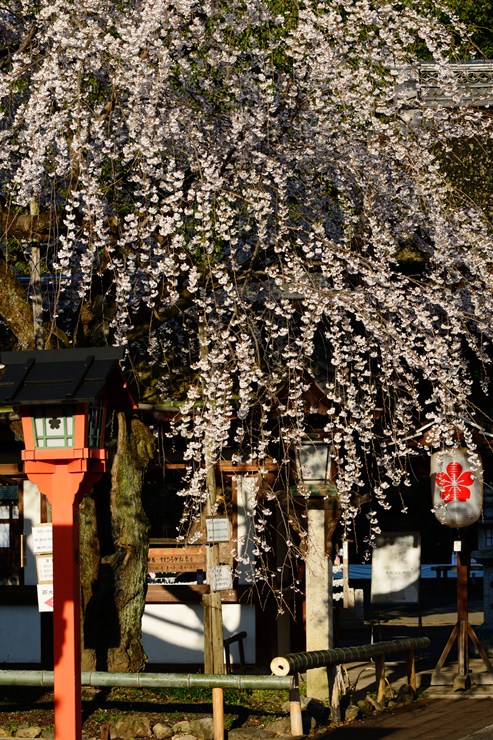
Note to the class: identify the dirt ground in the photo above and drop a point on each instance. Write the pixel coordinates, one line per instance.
(28, 706)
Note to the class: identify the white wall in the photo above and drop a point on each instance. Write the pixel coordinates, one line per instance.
(174, 633)
(32, 515)
(247, 488)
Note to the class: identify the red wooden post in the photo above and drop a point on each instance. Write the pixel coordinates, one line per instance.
(64, 484)
(66, 610)
(61, 396)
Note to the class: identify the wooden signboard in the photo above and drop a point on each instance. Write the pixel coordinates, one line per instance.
(176, 559)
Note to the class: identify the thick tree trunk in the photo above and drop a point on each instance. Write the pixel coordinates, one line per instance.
(114, 563)
(127, 567)
(17, 313)
(93, 650)
(15, 308)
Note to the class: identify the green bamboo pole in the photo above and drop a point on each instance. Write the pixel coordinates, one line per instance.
(152, 680)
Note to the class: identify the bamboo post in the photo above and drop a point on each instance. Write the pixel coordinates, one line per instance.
(411, 669)
(335, 693)
(295, 708)
(380, 677)
(218, 713)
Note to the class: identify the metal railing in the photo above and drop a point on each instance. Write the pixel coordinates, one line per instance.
(239, 637)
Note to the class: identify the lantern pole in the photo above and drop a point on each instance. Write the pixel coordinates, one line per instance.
(457, 490)
(64, 484)
(463, 559)
(463, 629)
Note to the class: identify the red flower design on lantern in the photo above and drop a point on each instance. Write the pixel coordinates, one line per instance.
(454, 483)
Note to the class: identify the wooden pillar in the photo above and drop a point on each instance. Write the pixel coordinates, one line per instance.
(462, 610)
(319, 623)
(213, 617)
(64, 484)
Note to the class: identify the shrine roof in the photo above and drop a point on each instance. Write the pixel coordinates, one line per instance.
(62, 376)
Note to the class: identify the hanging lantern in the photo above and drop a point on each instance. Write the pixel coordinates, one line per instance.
(314, 469)
(457, 487)
(314, 462)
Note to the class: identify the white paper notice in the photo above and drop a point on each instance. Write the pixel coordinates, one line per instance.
(220, 578)
(45, 597)
(42, 538)
(218, 529)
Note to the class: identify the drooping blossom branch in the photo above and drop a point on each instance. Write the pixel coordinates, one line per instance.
(256, 176)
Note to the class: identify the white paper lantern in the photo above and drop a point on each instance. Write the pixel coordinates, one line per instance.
(457, 487)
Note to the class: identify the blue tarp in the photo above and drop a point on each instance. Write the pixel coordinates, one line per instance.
(363, 572)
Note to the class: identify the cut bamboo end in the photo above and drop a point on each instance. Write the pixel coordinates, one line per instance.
(280, 667)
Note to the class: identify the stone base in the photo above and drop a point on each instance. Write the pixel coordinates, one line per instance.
(450, 677)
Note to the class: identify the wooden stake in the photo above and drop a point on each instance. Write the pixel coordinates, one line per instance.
(218, 713)
(208, 657)
(380, 677)
(411, 669)
(213, 618)
(295, 708)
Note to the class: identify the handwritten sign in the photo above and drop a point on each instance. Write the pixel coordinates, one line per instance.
(220, 578)
(176, 559)
(42, 538)
(395, 568)
(218, 529)
(44, 567)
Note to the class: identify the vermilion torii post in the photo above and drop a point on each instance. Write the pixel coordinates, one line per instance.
(65, 482)
(64, 485)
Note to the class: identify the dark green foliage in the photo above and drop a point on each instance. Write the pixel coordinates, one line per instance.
(478, 16)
